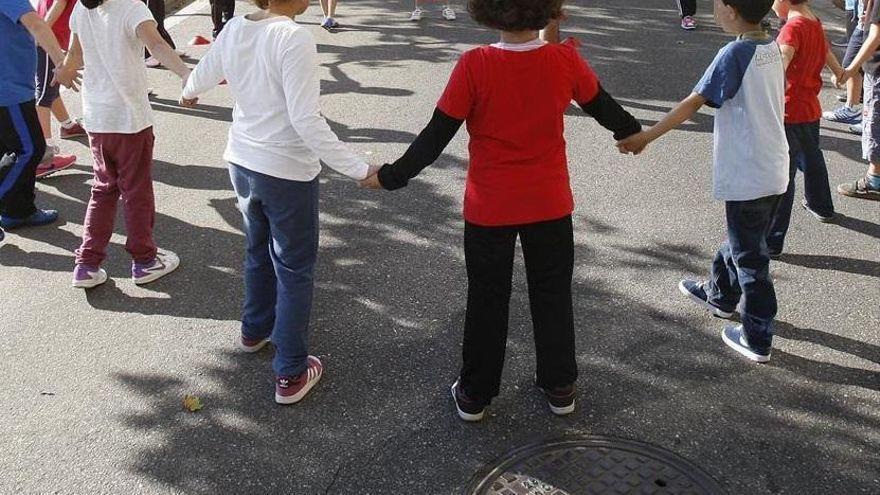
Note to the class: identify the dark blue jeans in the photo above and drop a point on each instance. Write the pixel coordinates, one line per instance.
(281, 227)
(741, 269)
(804, 155)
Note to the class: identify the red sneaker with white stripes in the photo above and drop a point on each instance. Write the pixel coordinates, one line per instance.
(290, 389)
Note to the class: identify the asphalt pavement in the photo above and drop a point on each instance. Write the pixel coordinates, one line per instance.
(94, 381)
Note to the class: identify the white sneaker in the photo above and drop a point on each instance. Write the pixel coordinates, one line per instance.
(416, 15)
(449, 14)
(162, 264)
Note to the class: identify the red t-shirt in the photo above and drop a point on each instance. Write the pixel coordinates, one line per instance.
(513, 103)
(803, 79)
(61, 28)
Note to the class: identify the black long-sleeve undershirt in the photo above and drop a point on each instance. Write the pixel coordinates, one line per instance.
(442, 128)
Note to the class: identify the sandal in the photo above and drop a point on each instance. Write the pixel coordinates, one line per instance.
(859, 189)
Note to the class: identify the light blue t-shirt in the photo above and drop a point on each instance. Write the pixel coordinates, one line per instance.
(746, 83)
(18, 55)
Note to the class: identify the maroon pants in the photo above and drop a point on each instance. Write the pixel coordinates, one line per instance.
(122, 168)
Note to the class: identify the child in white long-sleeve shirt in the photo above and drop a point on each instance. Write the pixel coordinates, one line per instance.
(277, 138)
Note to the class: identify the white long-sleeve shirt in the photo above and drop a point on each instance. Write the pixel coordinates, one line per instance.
(277, 128)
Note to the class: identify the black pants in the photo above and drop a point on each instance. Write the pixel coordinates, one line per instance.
(548, 249)
(687, 7)
(21, 148)
(222, 11)
(157, 8)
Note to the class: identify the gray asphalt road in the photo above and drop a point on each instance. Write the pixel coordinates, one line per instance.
(93, 382)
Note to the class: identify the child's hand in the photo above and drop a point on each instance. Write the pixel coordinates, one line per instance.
(372, 180)
(188, 102)
(68, 77)
(634, 144)
(840, 80)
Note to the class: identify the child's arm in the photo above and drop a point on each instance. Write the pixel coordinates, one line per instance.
(148, 33)
(68, 72)
(299, 65)
(206, 75)
(832, 63)
(55, 12)
(610, 115)
(681, 113)
(425, 150)
(44, 36)
(788, 53)
(868, 50)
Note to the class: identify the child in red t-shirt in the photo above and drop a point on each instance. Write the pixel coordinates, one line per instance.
(513, 95)
(805, 53)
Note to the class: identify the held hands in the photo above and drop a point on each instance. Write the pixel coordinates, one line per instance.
(634, 144)
(840, 80)
(68, 76)
(372, 180)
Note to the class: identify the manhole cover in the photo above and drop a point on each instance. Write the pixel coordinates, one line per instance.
(593, 465)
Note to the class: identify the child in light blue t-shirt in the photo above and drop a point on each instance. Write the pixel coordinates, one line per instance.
(746, 83)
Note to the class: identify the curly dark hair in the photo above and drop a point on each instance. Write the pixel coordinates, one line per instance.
(515, 15)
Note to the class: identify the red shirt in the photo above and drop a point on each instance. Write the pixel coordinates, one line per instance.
(803, 79)
(513, 103)
(61, 28)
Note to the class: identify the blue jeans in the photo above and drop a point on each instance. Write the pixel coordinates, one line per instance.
(804, 155)
(741, 269)
(281, 227)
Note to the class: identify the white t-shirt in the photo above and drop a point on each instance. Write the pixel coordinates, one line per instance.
(114, 89)
(277, 128)
(746, 83)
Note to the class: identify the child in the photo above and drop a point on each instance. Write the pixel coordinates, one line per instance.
(805, 52)
(109, 36)
(22, 144)
(56, 13)
(513, 95)
(328, 7)
(688, 9)
(222, 11)
(746, 82)
(276, 141)
(448, 11)
(868, 187)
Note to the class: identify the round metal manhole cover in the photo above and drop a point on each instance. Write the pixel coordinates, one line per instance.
(593, 465)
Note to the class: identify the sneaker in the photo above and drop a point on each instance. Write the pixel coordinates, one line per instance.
(560, 400)
(449, 14)
(36, 219)
(252, 345)
(333, 23)
(87, 277)
(416, 15)
(152, 63)
(290, 390)
(736, 340)
(857, 129)
(844, 115)
(327, 24)
(822, 218)
(162, 264)
(74, 131)
(858, 189)
(697, 292)
(468, 410)
(49, 154)
(688, 23)
(57, 164)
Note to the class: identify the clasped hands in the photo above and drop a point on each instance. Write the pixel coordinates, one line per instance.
(372, 179)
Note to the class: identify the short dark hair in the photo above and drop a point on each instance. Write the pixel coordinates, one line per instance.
(752, 11)
(91, 4)
(515, 15)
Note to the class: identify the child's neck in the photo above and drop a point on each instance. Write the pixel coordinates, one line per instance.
(285, 9)
(747, 28)
(800, 10)
(518, 36)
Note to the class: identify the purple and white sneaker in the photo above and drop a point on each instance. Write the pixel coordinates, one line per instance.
(162, 264)
(88, 277)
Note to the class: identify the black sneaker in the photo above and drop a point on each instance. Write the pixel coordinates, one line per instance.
(560, 400)
(468, 409)
(697, 293)
(735, 338)
(824, 218)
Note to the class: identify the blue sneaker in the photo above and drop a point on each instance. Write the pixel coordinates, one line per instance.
(38, 218)
(844, 115)
(736, 340)
(857, 129)
(697, 292)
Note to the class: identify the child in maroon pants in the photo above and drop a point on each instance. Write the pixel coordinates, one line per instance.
(108, 39)
(513, 95)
